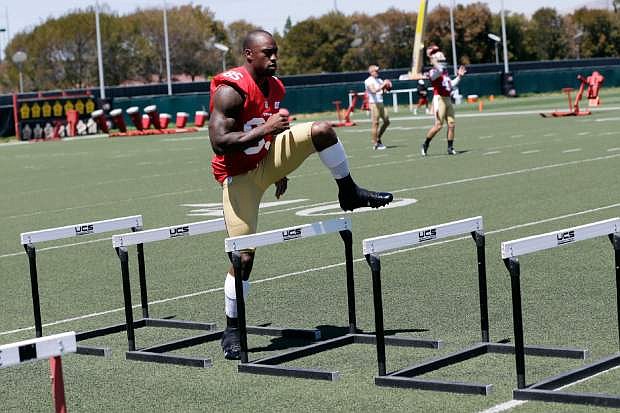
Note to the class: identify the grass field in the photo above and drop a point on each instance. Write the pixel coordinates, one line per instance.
(524, 174)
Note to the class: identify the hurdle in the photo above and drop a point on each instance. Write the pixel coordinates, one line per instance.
(549, 389)
(52, 347)
(408, 377)
(29, 239)
(271, 365)
(157, 353)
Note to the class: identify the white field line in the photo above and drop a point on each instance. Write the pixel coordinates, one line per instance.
(502, 407)
(583, 133)
(613, 149)
(532, 151)
(316, 269)
(517, 172)
(483, 114)
(460, 181)
(572, 150)
(491, 153)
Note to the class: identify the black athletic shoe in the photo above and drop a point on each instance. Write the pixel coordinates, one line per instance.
(360, 197)
(451, 151)
(231, 343)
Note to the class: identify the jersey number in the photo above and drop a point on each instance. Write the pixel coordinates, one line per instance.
(233, 75)
(248, 126)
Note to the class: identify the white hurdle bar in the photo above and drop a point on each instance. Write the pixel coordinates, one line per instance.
(29, 241)
(164, 233)
(49, 347)
(87, 228)
(550, 389)
(286, 234)
(526, 245)
(424, 235)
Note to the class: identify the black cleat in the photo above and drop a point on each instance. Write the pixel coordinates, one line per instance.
(451, 151)
(231, 343)
(360, 197)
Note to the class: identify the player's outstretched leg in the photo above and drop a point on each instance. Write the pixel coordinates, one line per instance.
(333, 156)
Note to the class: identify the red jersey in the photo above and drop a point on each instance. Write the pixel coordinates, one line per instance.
(442, 85)
(256, 110)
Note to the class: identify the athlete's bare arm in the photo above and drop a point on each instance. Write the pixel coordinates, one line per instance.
(227, 106)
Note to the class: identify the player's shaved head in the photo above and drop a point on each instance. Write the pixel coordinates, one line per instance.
(254, 37)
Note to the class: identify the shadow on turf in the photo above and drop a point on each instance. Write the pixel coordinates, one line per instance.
(327, 332)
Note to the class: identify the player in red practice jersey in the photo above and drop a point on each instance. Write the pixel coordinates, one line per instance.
(442, 103)
(255, 147)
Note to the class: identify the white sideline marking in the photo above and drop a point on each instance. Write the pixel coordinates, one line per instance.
(486, 137)
(531, 151)
(546, 135)
(613, 149)
(606, 119)
(491, 153)
(277, 277)
(572, 150)
(517, 136)
(583, 133)
(502, 407)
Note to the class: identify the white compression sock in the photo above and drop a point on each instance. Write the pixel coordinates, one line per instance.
(335, 159)
(230, 298)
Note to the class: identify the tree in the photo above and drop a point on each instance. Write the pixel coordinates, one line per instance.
(600, 32)
(544, 36)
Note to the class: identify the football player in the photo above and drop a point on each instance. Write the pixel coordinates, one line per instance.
(255, 147)
(442, 103)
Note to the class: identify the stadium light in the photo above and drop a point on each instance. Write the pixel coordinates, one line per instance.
(495, 39)
(224, 49)
(19, 58)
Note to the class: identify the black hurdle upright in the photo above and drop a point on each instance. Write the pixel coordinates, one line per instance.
(29, 239)
(271, 365)
(409, 377)
(549, 389)
(160, 353)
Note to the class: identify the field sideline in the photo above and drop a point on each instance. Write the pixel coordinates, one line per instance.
(524, 174)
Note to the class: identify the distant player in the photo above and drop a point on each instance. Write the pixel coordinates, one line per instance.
(375, 86)
(422, 97)
(255, 147)
(442, 103)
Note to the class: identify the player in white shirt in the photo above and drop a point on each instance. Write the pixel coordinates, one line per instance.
(374, 88)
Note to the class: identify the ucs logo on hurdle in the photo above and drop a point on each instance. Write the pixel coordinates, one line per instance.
(290, 234)
(179, 231)
(565, 237)
(427, 235)
(84, 229)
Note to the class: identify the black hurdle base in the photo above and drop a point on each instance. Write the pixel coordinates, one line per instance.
(157, 353)
(408, 377)
(89, 350)
(271, 365)
(548, 390)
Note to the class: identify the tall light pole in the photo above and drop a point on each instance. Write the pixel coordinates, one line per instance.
(99, 53)
(168, 70)
(224, 49)
(19, 58)
(577, 38)
(454, 62)
(504, 42)
(496, 39)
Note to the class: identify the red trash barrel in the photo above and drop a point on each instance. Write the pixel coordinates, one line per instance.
(182, 118)
(200, 119)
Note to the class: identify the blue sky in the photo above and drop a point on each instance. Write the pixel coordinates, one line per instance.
(268, 14)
